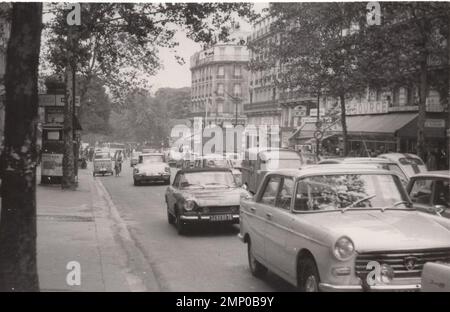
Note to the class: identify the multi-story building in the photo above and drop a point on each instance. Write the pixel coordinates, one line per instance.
(219, 84)
(380, 120)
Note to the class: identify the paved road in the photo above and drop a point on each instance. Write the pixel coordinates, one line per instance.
(207, 259)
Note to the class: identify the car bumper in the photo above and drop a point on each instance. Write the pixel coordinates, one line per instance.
(152, 178)
(358, 288)
(207, 218)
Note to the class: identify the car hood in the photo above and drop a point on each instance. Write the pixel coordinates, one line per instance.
(215, 196)
(389, 230)
(151, 168)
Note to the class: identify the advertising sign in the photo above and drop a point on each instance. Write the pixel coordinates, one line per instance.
(300, 111)
(356, 107)
(52, 165)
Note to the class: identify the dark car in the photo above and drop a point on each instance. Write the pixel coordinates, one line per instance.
(203, 195)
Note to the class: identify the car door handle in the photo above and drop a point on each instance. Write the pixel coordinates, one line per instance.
(253, 209)
(269, 215)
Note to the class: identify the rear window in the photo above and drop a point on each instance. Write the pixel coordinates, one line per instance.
(102, 156)
(410, 161)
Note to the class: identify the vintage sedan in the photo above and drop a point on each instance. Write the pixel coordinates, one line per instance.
(430, 192)
(202, 195)
(340, 228)
(103, 163)
(151, 168)
(411, 164)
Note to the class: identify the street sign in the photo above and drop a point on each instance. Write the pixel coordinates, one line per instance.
(300, 111)
(55, 100)
(318, 135)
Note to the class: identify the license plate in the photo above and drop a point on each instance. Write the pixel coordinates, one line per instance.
(227, 217)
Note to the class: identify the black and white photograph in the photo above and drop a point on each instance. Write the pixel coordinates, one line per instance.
(225, 147)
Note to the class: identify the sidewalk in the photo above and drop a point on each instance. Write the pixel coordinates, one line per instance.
(77, 226)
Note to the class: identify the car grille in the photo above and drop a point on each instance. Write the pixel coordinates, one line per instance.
(220, 209)
(406, 264)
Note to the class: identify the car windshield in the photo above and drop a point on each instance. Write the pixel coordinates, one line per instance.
(102, 156)
(346, 191)
(208, 179)
(395, 168)
(151, 159)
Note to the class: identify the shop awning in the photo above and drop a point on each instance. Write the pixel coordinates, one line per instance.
(378, 124)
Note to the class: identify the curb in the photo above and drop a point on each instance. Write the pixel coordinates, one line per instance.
(138, 272)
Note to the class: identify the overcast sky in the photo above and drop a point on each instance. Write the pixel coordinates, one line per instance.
(174, 75)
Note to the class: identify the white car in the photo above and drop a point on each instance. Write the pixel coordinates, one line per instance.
(340, 228)
(410, 164)
(151, 168)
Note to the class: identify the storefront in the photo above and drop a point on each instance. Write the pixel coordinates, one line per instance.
(375, 134)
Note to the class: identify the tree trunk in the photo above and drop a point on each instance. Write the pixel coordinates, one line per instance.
(18, 269)
(68, 178)
(423, 88)
(344, 125)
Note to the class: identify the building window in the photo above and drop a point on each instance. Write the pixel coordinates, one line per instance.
(251, 96)
(222, 51)
(220, 89)
(237, 70)
(220, 71)
(402, 96)
(237, 90)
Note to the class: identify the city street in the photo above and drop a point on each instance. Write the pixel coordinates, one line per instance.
(207, 259)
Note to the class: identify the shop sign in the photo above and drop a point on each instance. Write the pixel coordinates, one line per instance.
(300, 111)
(55, 100)
(52, 165)
(313, 112)
(365, 107)
(434, 123)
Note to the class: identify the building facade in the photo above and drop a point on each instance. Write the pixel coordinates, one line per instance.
(5, 28)
(219, 84)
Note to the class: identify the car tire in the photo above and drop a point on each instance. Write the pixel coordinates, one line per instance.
(256, 268)
(180, 225)
(308, 275)
(135, 182)
(170, 217)
(93, 174)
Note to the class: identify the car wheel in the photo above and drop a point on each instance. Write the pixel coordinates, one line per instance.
(256, 268)
(93, 174)
(308, 276)
(180, 225)
(170, 217)
(135, 182)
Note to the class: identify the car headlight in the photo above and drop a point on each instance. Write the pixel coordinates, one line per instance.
(189, 205)
(343, 248)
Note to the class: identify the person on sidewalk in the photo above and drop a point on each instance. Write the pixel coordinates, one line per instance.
(118, 163)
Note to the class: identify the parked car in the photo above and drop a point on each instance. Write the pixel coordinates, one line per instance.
(202, 195)
(103, 163)
(411, 164)
(429, 192)
(379, 162)
(134, 159)
(257, 162)
(340, 228)
(151, 168)
(436, 277)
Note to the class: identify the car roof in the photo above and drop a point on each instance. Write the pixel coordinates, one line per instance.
(191, 170)
(433, 174)
(398, 155)
(357, 160)
(330, 169)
